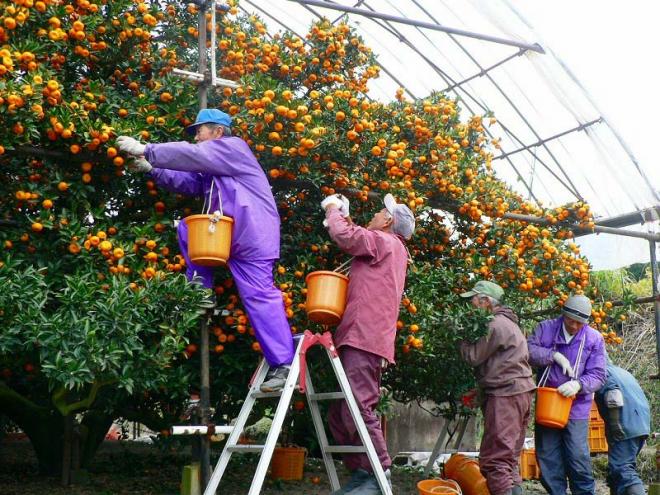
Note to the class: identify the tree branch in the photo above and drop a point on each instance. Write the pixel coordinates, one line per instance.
(59, 398)
(639, 300)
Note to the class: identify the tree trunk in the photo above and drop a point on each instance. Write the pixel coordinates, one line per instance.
(93, 429)
(43, 426)
(45, 429)
(66, 450)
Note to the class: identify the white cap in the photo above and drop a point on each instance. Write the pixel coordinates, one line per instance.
(403, 220)
(577, 308)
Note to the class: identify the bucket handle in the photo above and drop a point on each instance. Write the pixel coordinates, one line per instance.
(439, 489)
(578, 359)
(344, 267)
(217, 215)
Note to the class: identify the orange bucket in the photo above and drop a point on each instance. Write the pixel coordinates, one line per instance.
(552, 408)
(209, 248)
(466, 472)
(437, 487)
(288, 463)
(326, 297)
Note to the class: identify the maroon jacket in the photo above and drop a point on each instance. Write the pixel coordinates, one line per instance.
(500, 357)
(378, 275)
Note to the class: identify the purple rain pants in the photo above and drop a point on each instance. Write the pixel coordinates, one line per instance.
(363, 370)
(261, 299)
(505, 424)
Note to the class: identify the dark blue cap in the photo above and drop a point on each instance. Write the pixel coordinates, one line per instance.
(209, 116)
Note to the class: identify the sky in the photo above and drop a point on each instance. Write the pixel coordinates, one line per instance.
(612, 47)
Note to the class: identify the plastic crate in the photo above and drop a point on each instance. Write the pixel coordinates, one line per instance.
(594, 415)
(596, 437)
(529, 469)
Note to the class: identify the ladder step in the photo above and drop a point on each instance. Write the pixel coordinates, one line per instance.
(247, 448)
(327, 396)
(266, 395)
(345, 449)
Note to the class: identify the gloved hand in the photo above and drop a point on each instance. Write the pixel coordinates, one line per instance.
(564, 363)
(130, 145)
(333, 199)
(569, 389)
(140, 165)
(614, 424)
(345, 206)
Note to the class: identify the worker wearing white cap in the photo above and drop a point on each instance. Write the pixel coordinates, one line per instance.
(575, 354)
(366, 334)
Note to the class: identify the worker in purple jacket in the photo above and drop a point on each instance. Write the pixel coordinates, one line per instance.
(366, 334)
(222, 169)
(575, 353)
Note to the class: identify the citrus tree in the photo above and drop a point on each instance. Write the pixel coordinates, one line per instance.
(98, 320)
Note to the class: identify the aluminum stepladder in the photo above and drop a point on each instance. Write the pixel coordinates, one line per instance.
(444, 438)
(298, 374)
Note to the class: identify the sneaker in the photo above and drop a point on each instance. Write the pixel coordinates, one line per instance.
(357, 478)
(370, 485)
(275, 379)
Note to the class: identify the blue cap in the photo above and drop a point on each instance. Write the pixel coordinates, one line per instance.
(209, 116)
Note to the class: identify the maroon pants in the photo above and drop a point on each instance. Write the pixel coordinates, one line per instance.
(505, 423)
(363, 370)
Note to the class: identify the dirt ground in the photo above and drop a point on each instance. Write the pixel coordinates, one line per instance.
(130, 468)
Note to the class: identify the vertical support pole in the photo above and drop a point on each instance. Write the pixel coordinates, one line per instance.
(204, 395)
(201, 42)
(656, 276)
(205, 398)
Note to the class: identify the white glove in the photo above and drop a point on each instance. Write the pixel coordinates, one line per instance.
(333, 199)
(345, 206)
(139, 164)
(130, 145)
(569, 389)
(564, 363)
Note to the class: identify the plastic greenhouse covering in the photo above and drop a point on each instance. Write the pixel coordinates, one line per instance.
(556, 146)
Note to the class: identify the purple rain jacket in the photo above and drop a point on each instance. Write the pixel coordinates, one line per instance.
(189, 169)
(548, 338)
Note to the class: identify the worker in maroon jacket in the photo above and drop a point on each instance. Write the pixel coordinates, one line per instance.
(365, 337)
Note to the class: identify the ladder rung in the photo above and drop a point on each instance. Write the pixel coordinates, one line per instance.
(245, 448)
(345, 449)
(327, 396)
(266, 395)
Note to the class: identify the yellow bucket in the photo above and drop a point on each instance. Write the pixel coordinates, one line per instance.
(552, 408)
(326, 297)
(209, 248)
(438, 487)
